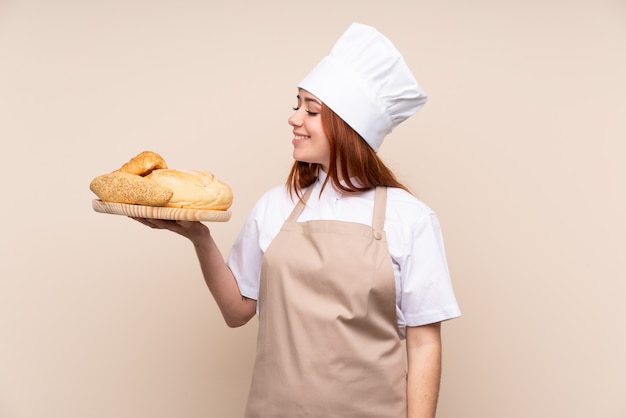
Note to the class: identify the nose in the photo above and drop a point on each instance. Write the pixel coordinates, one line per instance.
(295, 119)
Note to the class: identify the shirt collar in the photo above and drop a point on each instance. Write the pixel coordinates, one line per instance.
(321, 177)
(329, 190)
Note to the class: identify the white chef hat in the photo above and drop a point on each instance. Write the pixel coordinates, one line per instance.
(366, 81)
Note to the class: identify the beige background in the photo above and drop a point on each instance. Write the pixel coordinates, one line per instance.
(520, 151)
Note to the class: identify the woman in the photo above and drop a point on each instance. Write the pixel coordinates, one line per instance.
(342, 263)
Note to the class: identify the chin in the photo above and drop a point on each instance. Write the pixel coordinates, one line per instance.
(299, 158)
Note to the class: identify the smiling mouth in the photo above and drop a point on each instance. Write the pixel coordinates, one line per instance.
(300, 137)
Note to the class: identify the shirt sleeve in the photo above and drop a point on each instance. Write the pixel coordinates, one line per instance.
(427, 294)
(246, 255)
(259, 229)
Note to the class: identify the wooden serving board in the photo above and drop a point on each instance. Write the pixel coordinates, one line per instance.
(155, 212)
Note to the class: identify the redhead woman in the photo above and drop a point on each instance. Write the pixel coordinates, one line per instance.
(342, 263)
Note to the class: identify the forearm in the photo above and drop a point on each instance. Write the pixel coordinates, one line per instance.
(236, 309)
(424, 376)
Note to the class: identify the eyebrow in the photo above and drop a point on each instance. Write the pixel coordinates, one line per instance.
(309, 99)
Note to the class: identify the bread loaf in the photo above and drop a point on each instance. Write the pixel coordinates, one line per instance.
(121, 187)
(193, 189)
(143, 163)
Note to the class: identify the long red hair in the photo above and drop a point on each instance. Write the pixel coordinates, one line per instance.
(350, 157)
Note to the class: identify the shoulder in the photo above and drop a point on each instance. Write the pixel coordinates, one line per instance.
(277, 195)
(274, 203)
(413, 230)
(405, 208)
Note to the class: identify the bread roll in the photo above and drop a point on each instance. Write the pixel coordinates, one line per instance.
(143, 163)
(120, 187)
(194, 189)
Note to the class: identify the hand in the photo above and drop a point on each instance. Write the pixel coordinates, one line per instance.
(193, 230)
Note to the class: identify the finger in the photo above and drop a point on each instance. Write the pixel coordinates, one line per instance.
(152, 223)
(142, 220)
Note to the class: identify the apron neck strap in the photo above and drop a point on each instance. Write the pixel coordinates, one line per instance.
(378, 218)
(380, 207)
(295, 213)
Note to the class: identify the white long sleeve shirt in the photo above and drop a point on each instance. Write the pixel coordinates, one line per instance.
(424, 292)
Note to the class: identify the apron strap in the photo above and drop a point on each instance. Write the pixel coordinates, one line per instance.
(295, 213)
(380, 207)
(378, 218)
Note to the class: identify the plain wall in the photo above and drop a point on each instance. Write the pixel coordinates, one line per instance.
(520, 150)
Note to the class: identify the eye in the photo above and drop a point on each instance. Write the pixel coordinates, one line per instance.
(308, 112)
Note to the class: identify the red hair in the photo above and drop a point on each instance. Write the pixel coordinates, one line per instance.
(350, 157)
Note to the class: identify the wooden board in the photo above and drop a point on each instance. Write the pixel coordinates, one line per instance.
(155, 212)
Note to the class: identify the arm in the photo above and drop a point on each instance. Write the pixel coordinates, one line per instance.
(236, 309)
(423, 346)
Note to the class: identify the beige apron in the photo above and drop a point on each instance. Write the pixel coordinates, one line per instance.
(328, 344)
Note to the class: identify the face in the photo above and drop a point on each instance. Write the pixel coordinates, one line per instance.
(310, 144)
